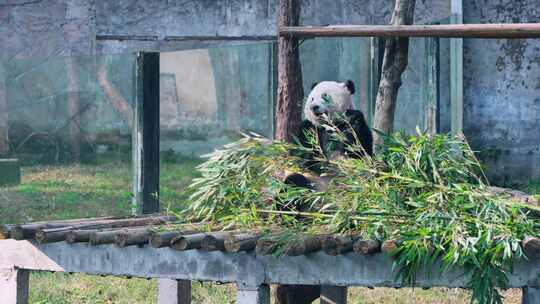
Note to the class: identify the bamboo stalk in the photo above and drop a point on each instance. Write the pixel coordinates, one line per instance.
(496, 31)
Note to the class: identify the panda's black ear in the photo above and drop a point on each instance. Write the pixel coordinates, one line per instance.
(350, 86)
(314, 85)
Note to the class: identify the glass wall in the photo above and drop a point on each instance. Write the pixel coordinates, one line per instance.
(68, 120)
(208, 97)
(65, 129)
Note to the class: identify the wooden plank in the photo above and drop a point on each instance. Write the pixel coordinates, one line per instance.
(253, 295)
(496, 31)
(14, 286)
(174, 291)
(146, 134)
(333, 294)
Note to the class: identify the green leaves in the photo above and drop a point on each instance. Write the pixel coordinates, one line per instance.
(428, 191)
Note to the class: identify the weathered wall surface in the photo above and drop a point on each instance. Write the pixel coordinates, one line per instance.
(502, 91)
(502, 77)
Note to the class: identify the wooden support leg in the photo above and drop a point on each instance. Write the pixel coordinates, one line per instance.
(530, 295)
(333, 295)
(14, 286)
(253, 295)
(174, 291)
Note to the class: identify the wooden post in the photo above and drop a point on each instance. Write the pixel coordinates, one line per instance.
(174, 292)
(290, 87)
(253, 295)
(394, 63)
(456, 71)
(14, 286)
(333, 295)
(145, 134)
(531, 295)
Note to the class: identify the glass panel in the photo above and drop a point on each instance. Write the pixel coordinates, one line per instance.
(337, 59)
(209, 96)
(66, 120)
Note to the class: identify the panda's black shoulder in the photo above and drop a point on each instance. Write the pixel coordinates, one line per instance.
(361, 128)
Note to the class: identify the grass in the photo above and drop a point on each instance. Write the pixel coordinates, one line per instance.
(75, 191)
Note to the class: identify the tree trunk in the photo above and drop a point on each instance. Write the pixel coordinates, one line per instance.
(4, 144)
(395, 61)
(119, 103)
(290, 88)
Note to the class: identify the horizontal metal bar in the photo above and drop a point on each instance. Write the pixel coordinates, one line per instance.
(508, 30)
(220, 38)
(127, 37)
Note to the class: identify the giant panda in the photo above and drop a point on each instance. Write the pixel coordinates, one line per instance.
(331, 100)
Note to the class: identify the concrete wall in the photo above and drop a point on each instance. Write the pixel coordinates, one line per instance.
(502, 91)
(501, 82)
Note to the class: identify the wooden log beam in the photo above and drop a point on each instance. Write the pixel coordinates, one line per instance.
(214, 241)
(487, 31)
(304, 246)
(266, 246)
(367, 246)
(5, 230)
(241, 242)
(163, 239)
(337, 244)
(57, 234)
(389, 246)
(132, 237)
(187, 242)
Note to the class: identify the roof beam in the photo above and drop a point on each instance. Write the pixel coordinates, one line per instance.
(492, 31)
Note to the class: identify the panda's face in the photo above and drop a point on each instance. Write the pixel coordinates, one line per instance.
(327, 98)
